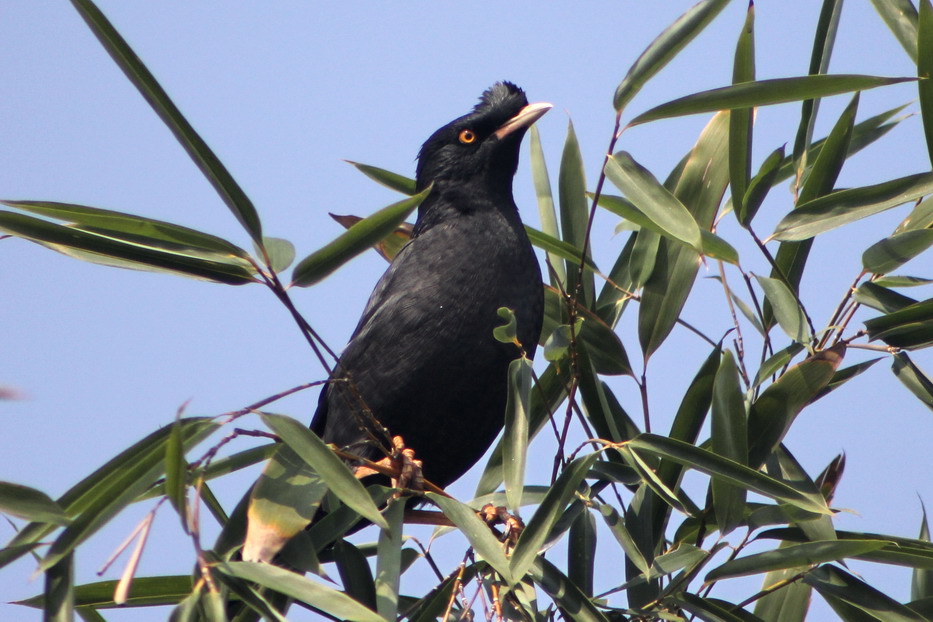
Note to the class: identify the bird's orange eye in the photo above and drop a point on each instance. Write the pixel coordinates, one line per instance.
(467, 137)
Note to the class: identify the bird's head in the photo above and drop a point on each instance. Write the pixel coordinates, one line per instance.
(480, 148)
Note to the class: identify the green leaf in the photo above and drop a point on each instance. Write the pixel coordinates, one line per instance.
(601, 343)
(508, 332)
(301, 589)
(155, 96)
(400, 183)
(776, 362)
(664, 48)
(355, 574)
(581, 552)
(176, 472)
(281, 253)
(59, 597)
(515, 435)
(902, 281)
(806, 554)
(389, 560)
(557, 345)
(99, 247)
(772, 414)
(706, 609)
(764, 93)
(159, 233)
(824, 39)
(699, 186)
(711, 244)
(925, 70)
(788, 604)
(108, 484)
(727, 470)
(759, 186)
(146, 591)
(623, 537)
(652, 199)
(910, 327)
(883, 299)
(108, 495)
(339, 479)
(921, 583)
(389, 246)
(786, 309)
(574, 212)
(901, 18)
(893, 252)
(844, 206)
(836, 585)
(539, 527)
(914, 378)
(920, 217)
(546, 212)
(354, 241)
(558, 248)
(730, 440)
(740, 119)
(573, 603)
(477, 532)
(31, 504)
(282, 503)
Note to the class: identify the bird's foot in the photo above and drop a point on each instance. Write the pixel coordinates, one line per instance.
(402, 462)
(498, 515)
(410, 475)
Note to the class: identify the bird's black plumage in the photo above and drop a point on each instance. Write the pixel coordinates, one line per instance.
(423, 360)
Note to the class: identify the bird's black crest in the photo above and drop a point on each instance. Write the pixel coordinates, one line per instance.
(502, 94)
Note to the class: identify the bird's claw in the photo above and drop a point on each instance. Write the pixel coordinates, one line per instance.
(498, 515)
(410, 475)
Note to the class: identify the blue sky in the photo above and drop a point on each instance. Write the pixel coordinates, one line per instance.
(283, 93)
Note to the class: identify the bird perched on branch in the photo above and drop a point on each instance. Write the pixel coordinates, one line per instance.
(422, 363)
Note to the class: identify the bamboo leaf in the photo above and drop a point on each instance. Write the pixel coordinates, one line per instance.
(176, 472)
(546, 212)
(772, 414)
(399, 183)
(581, 552)
(844, 206)
(110, 494)
(764, 93)
(806, 554)
(914, 378)
(539, 527)
(730, 440)
(574, 211)
(652, 199)
(664, 48)
(925, 70)
(367, 232)
(727, 470)
(572, 601)
(921, 584)
(515, 435)
(146, 591)
(699, 185)
(389, 561)
(31, 504)
(282, 503)
(740, 119)
(786, 309)
(891, 253)
(901, 18)
(759, 186)
(301, 589)
(99, 247)
(477, 532)
(909, 327)
(134, 69)
(836, 585)
(332, 469)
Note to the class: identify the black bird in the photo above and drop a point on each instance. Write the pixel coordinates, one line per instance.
(423, 361)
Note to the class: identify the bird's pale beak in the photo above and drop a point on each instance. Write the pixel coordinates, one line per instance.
(525, 117)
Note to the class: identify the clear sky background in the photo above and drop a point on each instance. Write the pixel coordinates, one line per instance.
(283, 92)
